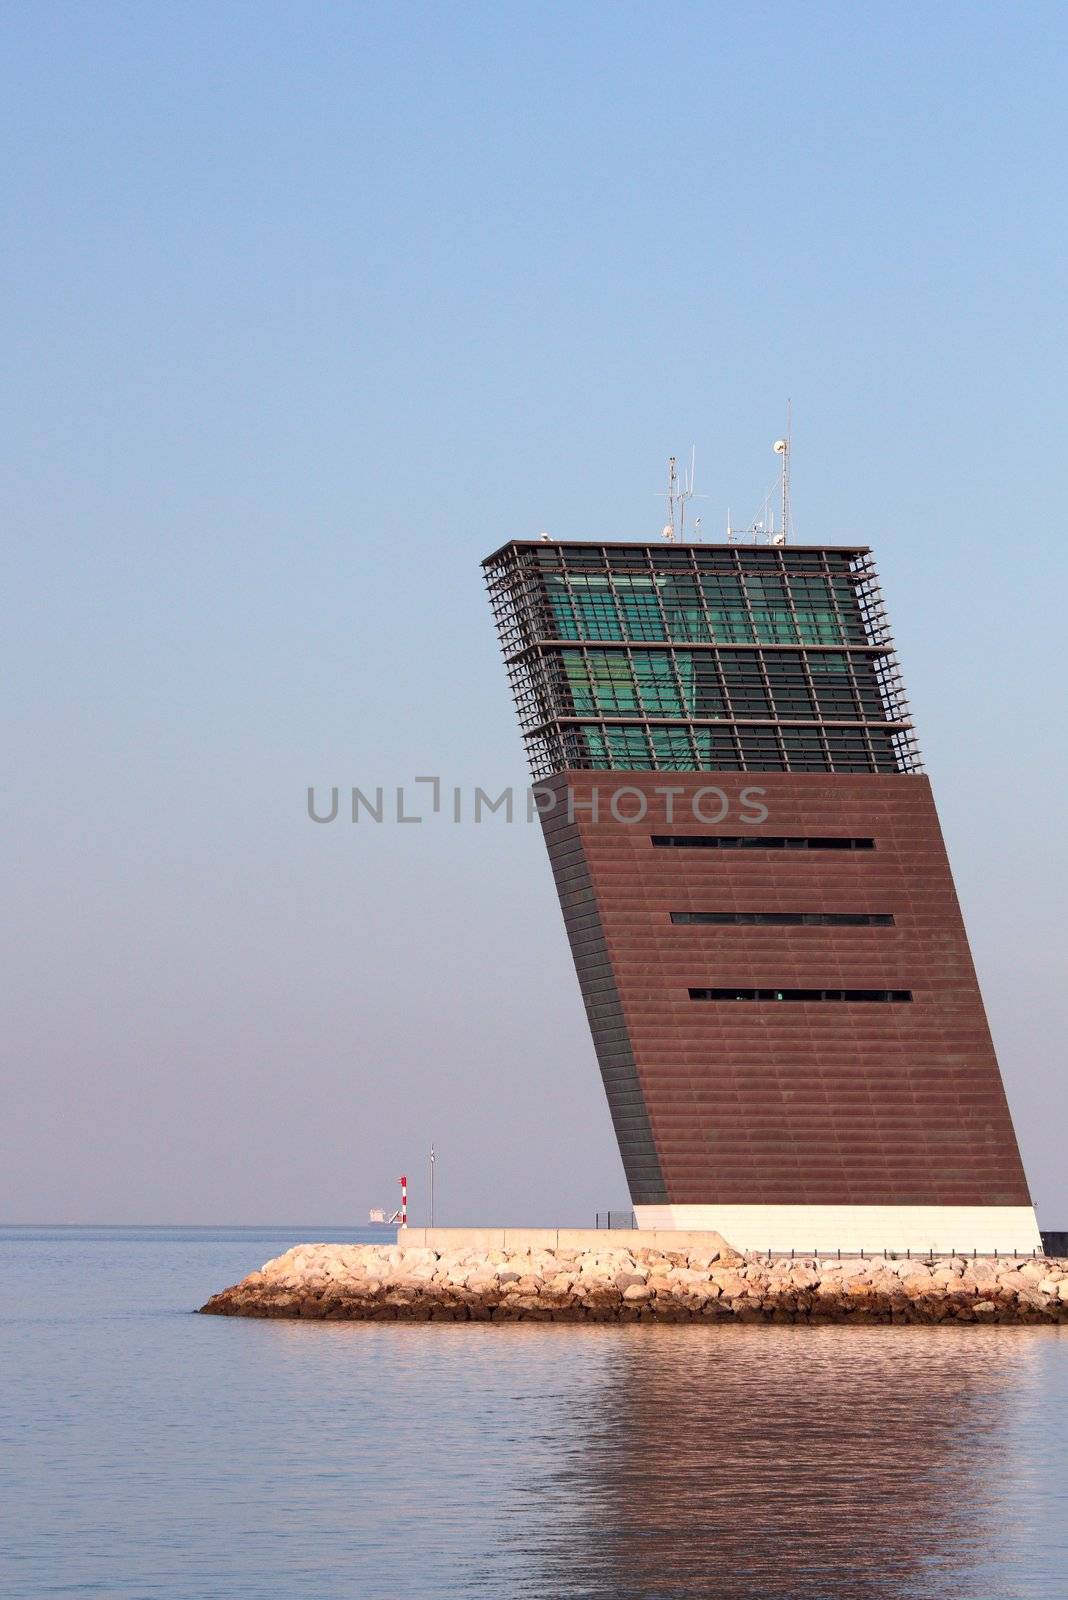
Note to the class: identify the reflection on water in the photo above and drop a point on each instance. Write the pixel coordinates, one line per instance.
(147, 1454)
(793, 1462)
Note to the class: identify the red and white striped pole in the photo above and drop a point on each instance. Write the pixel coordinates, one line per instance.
(404, 1201)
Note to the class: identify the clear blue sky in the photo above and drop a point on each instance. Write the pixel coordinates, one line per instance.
(309, 307)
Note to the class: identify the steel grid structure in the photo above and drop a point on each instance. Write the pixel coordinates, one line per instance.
(715, 657)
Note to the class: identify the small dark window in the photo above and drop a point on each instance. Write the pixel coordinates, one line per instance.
(885, 995)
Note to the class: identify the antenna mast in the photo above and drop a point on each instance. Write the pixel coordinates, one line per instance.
(688, 492)
(677, 497)
(763, 528)
(782, 448)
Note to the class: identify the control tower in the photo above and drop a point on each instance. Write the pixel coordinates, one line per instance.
(757, 895)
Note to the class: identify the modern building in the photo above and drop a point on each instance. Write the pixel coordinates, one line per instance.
(757, 896)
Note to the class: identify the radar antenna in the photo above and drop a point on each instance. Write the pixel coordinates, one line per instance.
(762, 529)
(677, 496)
(782, 448)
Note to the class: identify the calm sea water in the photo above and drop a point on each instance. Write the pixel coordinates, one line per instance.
(147, 1452)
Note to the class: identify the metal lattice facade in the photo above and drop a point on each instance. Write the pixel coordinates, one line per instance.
(723, 658)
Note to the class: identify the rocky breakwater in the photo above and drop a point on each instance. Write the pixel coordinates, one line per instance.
(612, 1283)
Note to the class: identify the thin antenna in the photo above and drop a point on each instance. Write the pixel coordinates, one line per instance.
(786, 471)
(762, 530)
(689, 491)
(677, 496)
(782, 448)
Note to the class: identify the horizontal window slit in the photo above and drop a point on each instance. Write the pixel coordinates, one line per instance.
(720, 841)
(860, 995)
(789, 919)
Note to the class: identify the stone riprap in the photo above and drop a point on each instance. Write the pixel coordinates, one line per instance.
(612, 1283)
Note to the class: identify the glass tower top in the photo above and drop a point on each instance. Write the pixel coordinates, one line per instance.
(743, 658)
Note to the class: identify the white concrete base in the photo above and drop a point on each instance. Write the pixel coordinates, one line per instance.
(520, 1239)
(853, 1228)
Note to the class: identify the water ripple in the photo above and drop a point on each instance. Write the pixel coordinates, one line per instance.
(151, 1453)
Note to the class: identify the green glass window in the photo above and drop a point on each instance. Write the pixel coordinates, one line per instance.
(613, 681)
(774, 627)
(596, 746)
(684, 671)
(810, 590)
(722, 588)
(834, 689)
(853, 628)
(577, 679)
(602, 680)
(640, 608)
(726, 604)
(684, 611)
(702, 694)
(817, 620)
(563, 617)
(657, 684)
(765, 590)
(731, 626)
(717, 749)
(772, 619)
(672, 749)
(595, 608)
(628, 748)
(745, 683)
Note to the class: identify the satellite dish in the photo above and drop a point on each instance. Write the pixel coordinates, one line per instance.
(668, 531)
(781, 447)
(544, 537)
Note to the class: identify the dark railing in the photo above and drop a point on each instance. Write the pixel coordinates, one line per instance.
(1053, 1244)
(854, 1254)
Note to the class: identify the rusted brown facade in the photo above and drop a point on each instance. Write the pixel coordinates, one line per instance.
(781, 1102)
(756, 889)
